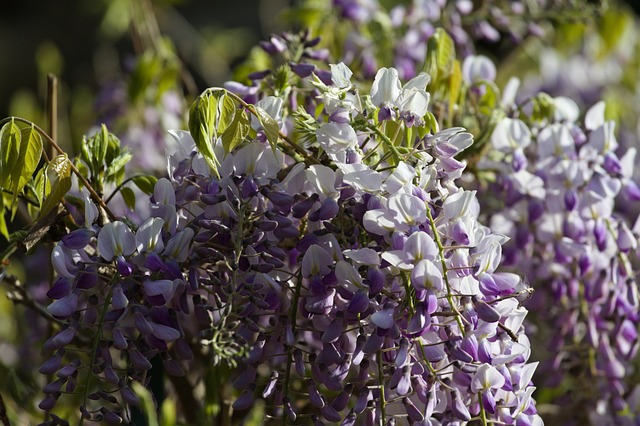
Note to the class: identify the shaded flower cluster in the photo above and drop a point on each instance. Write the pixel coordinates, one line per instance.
(120, 293)
(557, 181)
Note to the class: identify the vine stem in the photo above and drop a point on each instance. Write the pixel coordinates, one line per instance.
(124, 182)
(292, 319)
(74, 169)
(383, 402)
(388, 142)
(94, 346)
(436, 237)
(483, 414)
(52, 112)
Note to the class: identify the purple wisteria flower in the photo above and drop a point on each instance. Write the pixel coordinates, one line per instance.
(356, 273)
(556, 188)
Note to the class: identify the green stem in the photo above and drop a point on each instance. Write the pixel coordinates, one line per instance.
(383, 402)
(74, 169)
(436, 237)
(483, 414)
(119, 187)
(388, 142)
(22, 197)
(7, 253)
(292, 319)
(94, 346)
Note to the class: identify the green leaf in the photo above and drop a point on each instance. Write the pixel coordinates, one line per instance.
(490, 98)
(113, 149)
(99, 146)
(143, 75)
(226, 113)
(441, 53)
(431, 123)
(3, 224)
(146, 183)
(59, 175)
(58, 191)
(269, 125)
(543, 107)
(129, 197)
(203, 123)
(393, 130)
(28, 158)
(86, 152)
(116, 168)
(236, 132)
(40, 187)
(446, 51)
(10, 137)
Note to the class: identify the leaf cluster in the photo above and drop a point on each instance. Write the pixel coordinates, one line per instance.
(215, 117)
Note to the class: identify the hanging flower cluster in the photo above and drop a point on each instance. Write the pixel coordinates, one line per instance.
(557, 182)
(356, 276)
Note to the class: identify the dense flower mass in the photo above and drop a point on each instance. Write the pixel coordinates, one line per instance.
(368, 285)
(367, 228)
(557, 182)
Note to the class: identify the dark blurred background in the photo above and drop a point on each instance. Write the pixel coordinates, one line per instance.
(87, 42)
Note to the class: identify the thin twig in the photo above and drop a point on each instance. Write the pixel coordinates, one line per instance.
(509, 332)
(52, 108)
(18, 294)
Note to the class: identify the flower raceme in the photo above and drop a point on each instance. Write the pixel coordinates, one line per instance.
(557, 183)
(362, 280)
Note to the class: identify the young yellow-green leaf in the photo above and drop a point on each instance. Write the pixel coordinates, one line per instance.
(145, 183)
(543, 107)
(236, 132)
(10, 137)
(203, 119)
(490, 98)
(59, 176)
(58, 191)
(85, 152)
(431, 123)
(113, 148)
(269, 125)
(446, 51)
(226, 113)
(129, 197)
(99, 146)
(40, 185)
(440, 56)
